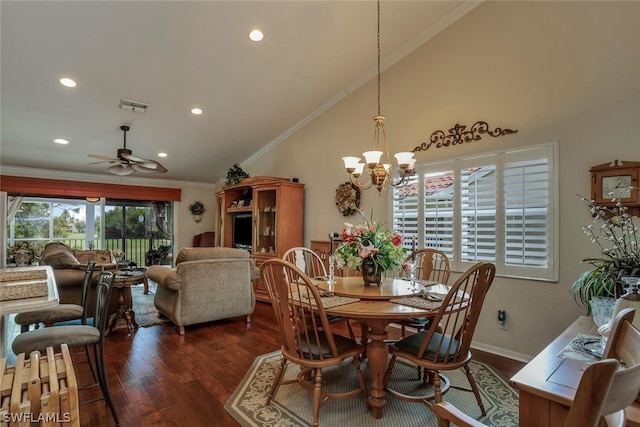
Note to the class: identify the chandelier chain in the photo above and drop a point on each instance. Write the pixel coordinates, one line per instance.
(378, 171)
(379, 57)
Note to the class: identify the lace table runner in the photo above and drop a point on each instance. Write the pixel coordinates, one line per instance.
(575, 349)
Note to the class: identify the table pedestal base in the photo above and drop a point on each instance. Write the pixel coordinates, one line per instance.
(123, 312)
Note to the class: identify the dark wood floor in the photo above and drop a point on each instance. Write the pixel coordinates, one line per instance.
(159, 378)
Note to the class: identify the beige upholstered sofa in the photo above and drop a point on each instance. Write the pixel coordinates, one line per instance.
(207, 284)
(69, 267)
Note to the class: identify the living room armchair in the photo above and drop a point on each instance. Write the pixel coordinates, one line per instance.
(207, 284)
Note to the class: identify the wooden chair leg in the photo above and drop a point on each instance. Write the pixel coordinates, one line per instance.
(276, 380)
(474, 387)
(317, 396)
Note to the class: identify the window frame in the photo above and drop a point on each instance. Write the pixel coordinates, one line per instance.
(499, 158)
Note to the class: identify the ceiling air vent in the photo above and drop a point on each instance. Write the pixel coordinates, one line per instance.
(138, 107)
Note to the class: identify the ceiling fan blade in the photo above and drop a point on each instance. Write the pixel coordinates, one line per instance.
(133, 158)
(142, 167)
(105, 158)
(121, 170)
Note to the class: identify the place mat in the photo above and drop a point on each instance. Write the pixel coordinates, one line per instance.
(418, 302)
(329, 301)
(575, 350)
(15, 275)
(23, 289)
(335, 301)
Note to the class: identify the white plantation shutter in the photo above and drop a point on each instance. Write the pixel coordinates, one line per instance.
(405, 211)
(497, 208)
(439, 212)
(478, 214)
(527, 205)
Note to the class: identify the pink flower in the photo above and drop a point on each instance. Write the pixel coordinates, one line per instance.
(396, 239)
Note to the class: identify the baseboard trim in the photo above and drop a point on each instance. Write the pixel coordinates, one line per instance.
(503, 352)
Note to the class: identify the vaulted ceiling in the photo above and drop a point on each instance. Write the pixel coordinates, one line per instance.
(176, 55)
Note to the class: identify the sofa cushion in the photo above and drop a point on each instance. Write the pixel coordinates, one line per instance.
(97, 256)
(60, 259)
(196, 254)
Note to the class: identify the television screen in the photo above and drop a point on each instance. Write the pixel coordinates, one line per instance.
(242, 225)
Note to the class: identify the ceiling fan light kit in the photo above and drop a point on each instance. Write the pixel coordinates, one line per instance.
(127, 162)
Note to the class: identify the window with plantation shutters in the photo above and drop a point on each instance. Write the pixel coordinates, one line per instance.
(438, 211)
(497, 207)
(478, 214)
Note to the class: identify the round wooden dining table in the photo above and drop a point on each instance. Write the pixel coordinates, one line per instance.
(375, 311)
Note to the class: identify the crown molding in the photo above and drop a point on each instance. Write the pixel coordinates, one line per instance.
(98, 178)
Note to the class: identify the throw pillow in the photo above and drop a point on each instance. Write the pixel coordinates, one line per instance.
(97, 256)
(60, 259)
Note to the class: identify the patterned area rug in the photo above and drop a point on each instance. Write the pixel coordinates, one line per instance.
(292, 405)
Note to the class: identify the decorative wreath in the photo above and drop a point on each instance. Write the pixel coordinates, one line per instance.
(348, 198)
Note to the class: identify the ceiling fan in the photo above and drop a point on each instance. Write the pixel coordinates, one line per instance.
(127, 163)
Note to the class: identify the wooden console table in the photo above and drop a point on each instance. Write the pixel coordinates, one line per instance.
(548, 383)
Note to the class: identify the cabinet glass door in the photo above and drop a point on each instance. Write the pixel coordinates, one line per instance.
(265, 239)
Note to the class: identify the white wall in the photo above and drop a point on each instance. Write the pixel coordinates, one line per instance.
(555, 71)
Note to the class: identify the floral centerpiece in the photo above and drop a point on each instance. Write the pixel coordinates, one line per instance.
(615, 232)
(370, 248)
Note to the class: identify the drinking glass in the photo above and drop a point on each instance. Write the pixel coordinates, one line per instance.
(602, 311)
(332, 274)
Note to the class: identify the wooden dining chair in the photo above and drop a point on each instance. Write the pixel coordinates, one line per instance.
(306, 336)
(311, 264)
(431, 264)
(306, 260)
(604, 390)
(623, 344)
(445, 346)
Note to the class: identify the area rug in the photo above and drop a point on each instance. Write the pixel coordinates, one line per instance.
(292, 405)
(146, 312)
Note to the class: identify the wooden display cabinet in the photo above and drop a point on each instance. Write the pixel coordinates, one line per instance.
(264, 215)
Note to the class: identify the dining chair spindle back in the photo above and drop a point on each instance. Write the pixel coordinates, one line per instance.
(446, 344)
(306, 335)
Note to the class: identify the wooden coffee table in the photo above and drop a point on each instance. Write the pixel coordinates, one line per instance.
(123, 280)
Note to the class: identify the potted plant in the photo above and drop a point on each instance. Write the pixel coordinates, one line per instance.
(620, 254)
(197, 209)
(235, 174)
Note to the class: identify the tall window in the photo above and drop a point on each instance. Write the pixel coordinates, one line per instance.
(498, 208)
(137, 227)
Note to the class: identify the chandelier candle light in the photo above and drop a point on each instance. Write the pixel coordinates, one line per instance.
(379, 173)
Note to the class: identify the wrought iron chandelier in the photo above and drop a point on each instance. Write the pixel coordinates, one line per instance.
(378, 169)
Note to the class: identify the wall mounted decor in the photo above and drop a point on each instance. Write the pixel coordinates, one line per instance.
(347, 198)
(197, 209)
(459, 134)
(615, 180)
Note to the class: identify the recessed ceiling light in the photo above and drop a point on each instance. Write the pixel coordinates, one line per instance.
(67, 82)
(196, 111)
(162, 154)
(256, 35)
(61, 141)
